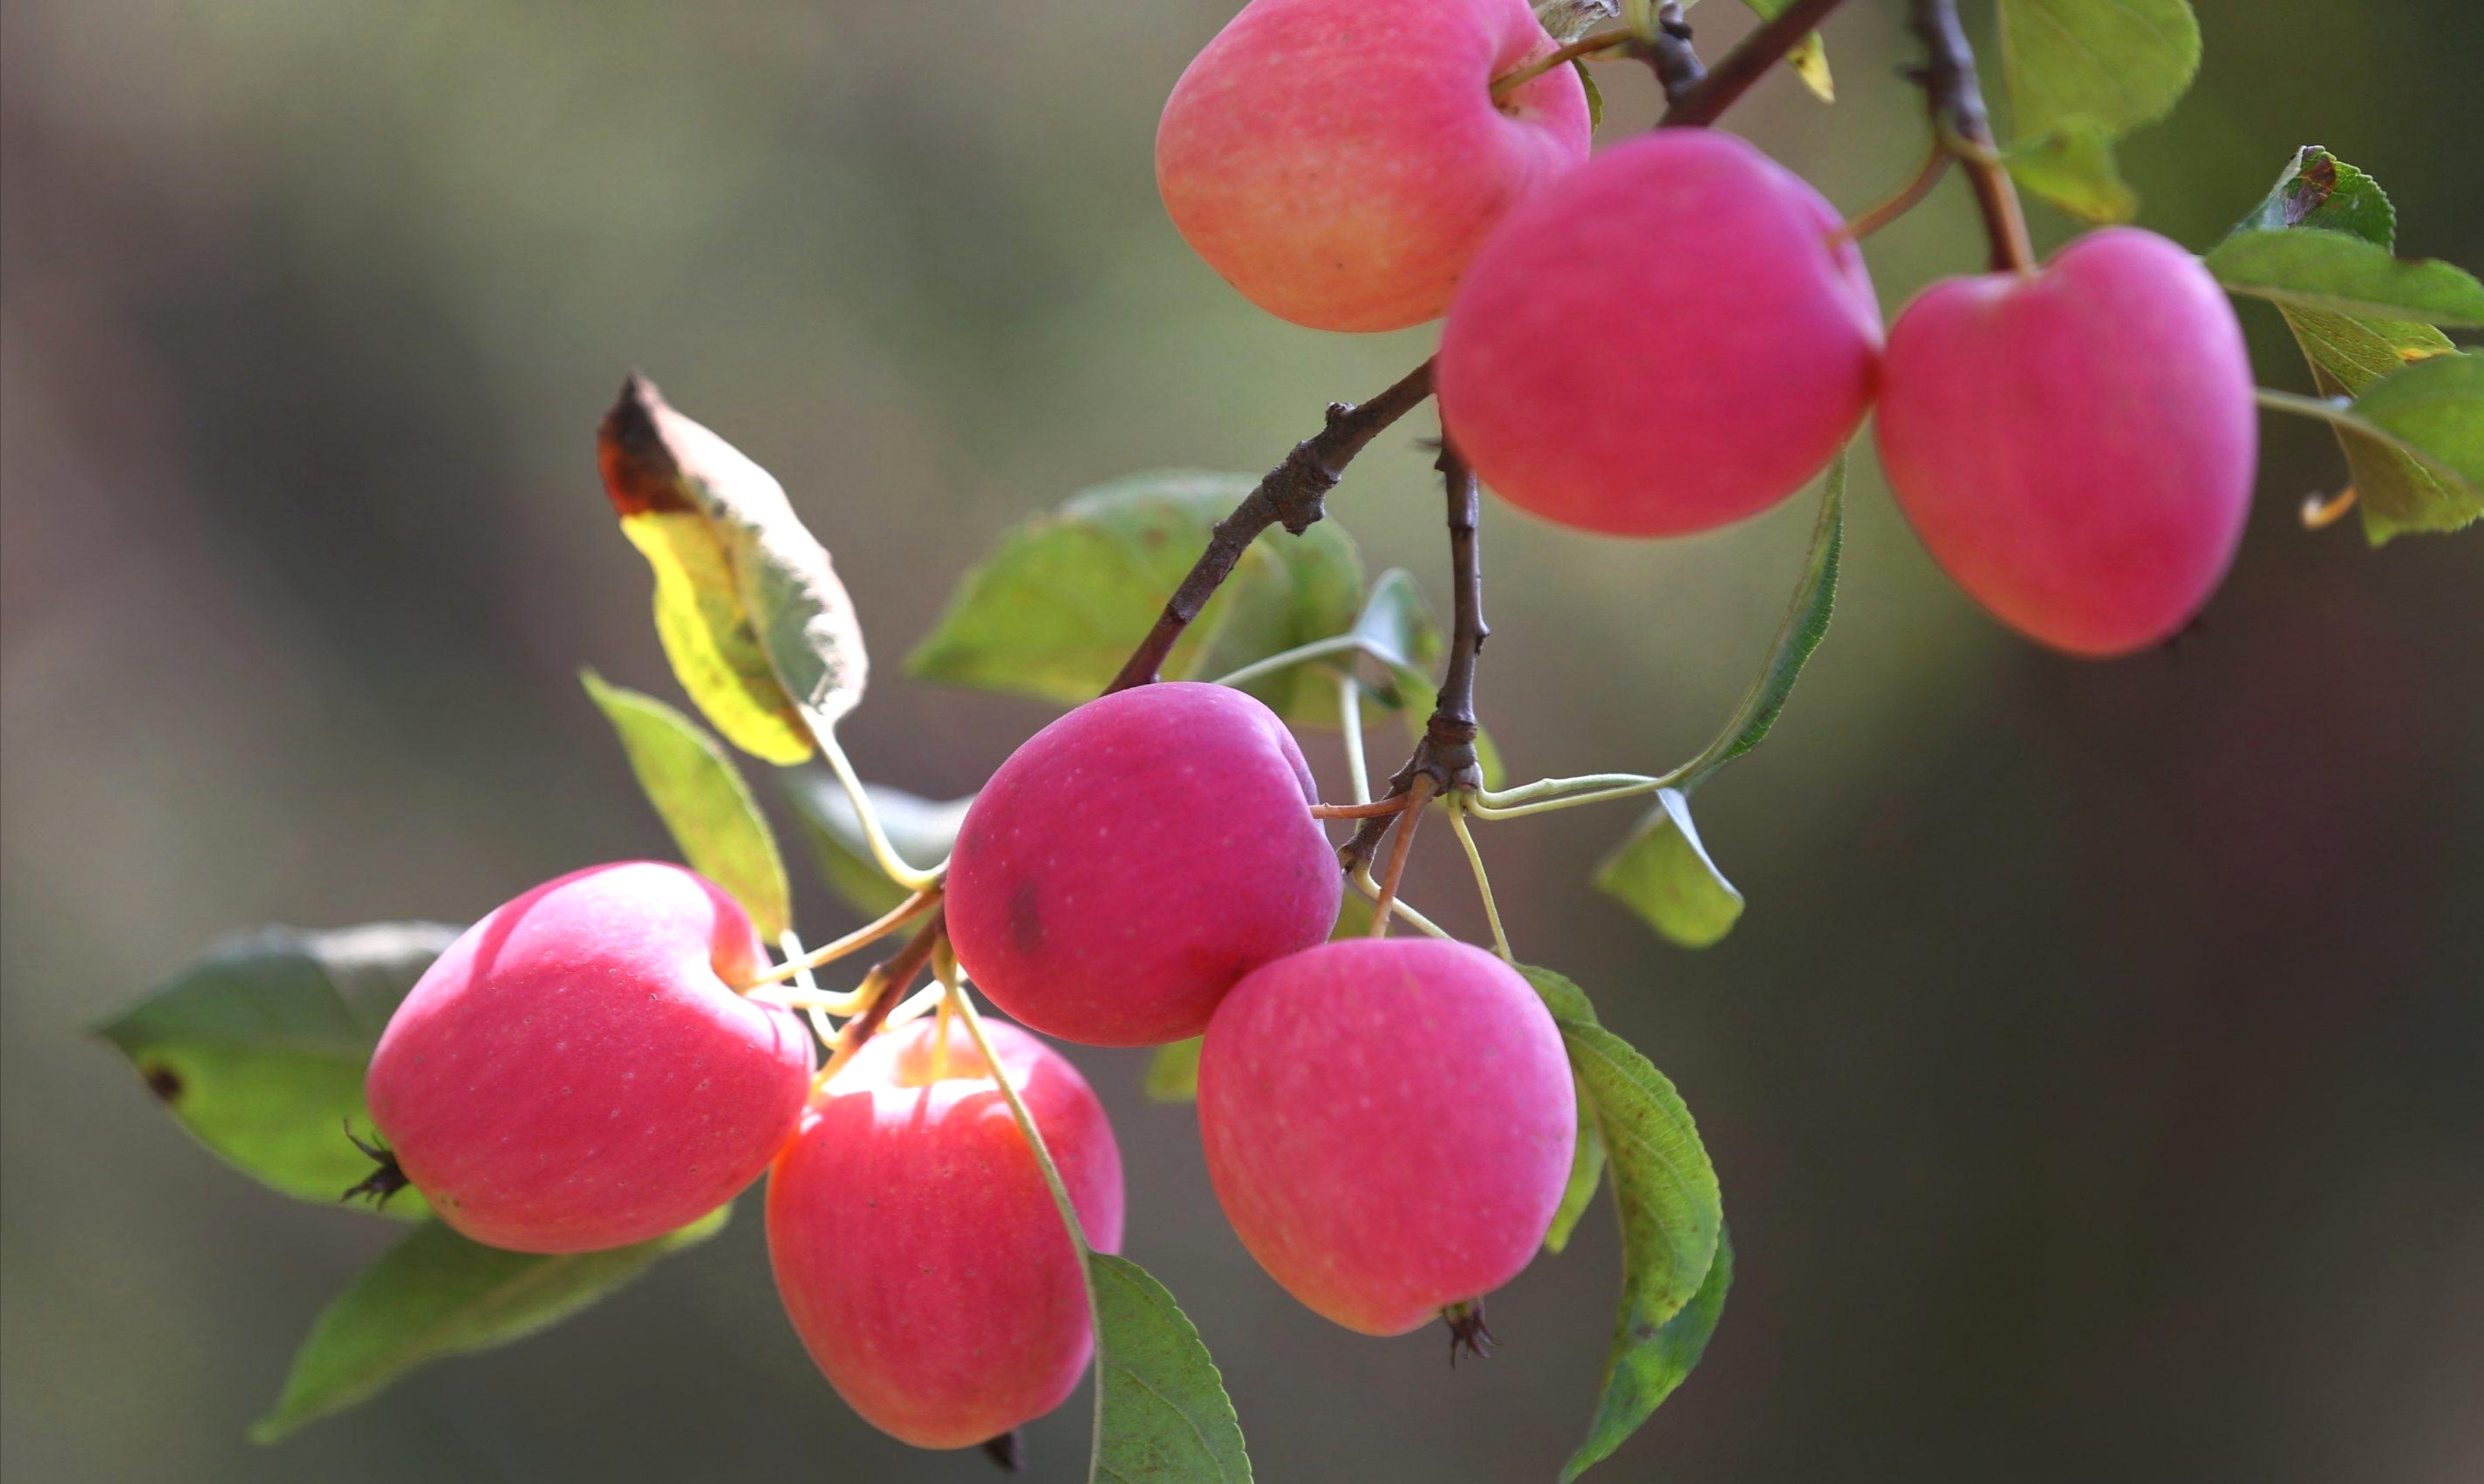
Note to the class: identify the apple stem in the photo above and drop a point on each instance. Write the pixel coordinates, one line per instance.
(1936, 163)
(1482, 877)
(1585, 46)
(860, 939)
(1959, 121)
(878, 993)
(1411, 815)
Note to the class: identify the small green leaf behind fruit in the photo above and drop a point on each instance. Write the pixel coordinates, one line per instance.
(759, 630)
(702, 799)
(921, 829)
(436, 1294)
(2435, 405)
(1672, 1219)
(1053, 612)
(1161, 1412)
(260, 1048)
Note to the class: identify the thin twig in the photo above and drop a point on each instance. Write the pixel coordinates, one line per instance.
(1746, 64)
(1294, 494)
(1958, 117)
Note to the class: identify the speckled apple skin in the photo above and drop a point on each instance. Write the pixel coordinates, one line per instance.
(1136, 857)
(1664, 341)
(1388, 1124)
(917, 1249)
(1340, 161)
(2077, 447)
(576, 1073)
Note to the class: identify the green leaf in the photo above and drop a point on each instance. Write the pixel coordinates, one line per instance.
(2073, 168)
(1054, 611)
(2437, 406)
(1595, 94)
(1161, 1413)
(1662, 872)
(1808, 57)
(2319, 190)
(921, 829)
(436, 1294)
(1799, 635)
(1587, 1172)
(2101, 65)
(1672, 1217)
(701, 797)
(1173, 1072)
(260, 1047)
(1561, 994)
(2310, 269)
(2397, 491)
(1569, 1004)
(758, 628)
(1662, 1361)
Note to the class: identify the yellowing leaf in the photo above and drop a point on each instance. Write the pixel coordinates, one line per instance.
(759, 630)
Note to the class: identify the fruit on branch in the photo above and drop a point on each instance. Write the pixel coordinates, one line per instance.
(1340, 161)
(1388, 1125)
(917, 1248)
(577, 1072)
(2076, 446)
(1136, 857)
(1663, 341)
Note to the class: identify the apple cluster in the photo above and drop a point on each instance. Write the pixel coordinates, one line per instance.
(582, 1069)
(1658, 339)
(1678, 333)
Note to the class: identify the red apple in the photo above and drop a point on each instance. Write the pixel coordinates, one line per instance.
(2076, 446)
(917, 1249)
(577, 1072)
(1663, 341)
(1134, 858)
(1388, 1125)
(1340, 161)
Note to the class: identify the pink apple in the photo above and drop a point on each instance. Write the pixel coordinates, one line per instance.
(1133, 859)
(2076, 446)
(1340, 161)
(576, 1071)
(917, 1249)
(1667, 340)
(1388, 1125)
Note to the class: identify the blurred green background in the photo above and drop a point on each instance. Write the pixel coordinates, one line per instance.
(2094, 1078)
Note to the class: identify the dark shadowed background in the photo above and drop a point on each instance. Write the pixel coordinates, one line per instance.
(2094, 1078)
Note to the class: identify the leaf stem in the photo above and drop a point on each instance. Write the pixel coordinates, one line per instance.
(1292, 495)
(891, 864)
(2340, 412)
(1349, 715)
(1483, 881)
(1362, 880)
(1482, 810)
(1318, 649)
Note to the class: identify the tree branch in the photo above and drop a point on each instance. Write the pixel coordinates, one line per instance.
(1958, 118)
(1678, 71)
(1294, 494)
(1745, 65)
(1444, 759)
